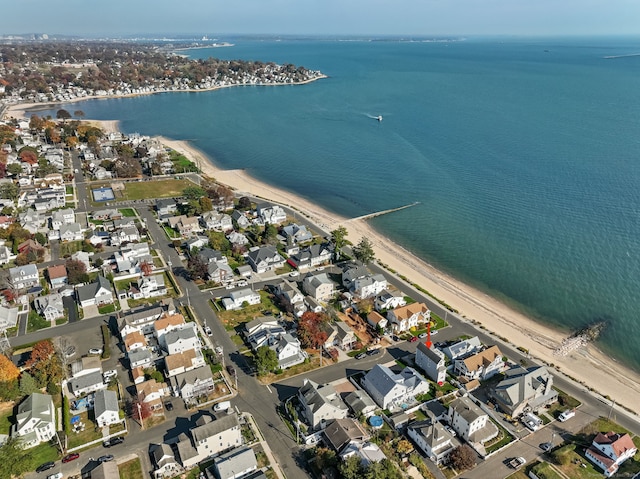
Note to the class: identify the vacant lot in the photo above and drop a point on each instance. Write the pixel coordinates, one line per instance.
(140, 190)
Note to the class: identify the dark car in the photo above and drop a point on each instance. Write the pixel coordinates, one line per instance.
(373, 352)
(231, 370)
(546, 446)
(168, 406)
(413, 339)
(70, 457)
(106, 458)
(361, 355)
(113, 441)
(46, 466)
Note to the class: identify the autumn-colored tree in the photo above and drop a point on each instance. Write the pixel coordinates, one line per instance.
(71, 141)
(310, 331)
(9, 294)
(8, 370)
(7, 134)
(146, 268)
(29, 156)
(42, 351)
(404, 447)
(128, 167)
(76, 272)
(462, 457)
(138, 409)
(36, 123)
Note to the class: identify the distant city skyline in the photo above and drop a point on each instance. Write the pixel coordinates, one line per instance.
(324, 17)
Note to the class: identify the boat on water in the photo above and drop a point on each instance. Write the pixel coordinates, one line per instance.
(379, 118)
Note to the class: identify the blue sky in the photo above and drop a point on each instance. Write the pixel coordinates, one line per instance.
(332, 17)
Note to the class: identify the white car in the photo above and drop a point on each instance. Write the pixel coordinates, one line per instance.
(222, 406)
(95, 351)
(208, 331)
(57, 475)
(294, 274)
(110, 374)
(566, 415)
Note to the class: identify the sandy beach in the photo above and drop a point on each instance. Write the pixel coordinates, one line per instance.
(587, 365)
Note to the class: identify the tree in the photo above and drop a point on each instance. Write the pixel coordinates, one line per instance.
(76, 272)
(193, 192)
(14, 169)
(197, 268)
(404, 447)
(28, 384)
(146, 268)
(218, 241)
(310, 332)
(42, 351)
(63, 114)
(266, 360)
(19, 458)
(8, 371)
(338, 237)
(325, 458)
(205, 204)
(153, 374)
(244, 203)
(128, 167)
(138, 409)
(351, 467)
(40, 238)
(270, 234)
(9, 190)
(363, 251)
(462, 457)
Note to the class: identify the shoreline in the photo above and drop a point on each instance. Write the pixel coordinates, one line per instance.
(587, 365)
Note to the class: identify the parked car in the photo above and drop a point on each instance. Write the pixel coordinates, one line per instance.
(373, 352)
(105, 458)
(114, 441)
(95, 351)
(294, 274)
(70, 457)
(413, 339)
(168, 406)
(70, 351)
(546, 446)
(361, 355)
(57, 475)
(208, 331)
(231, 370)
(422, 335)
(112, 373)
(222, 406)
(46, 466)
(566, 415)
(517, 462)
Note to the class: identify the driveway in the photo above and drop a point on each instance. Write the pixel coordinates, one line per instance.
(90, 311)
(70, 305)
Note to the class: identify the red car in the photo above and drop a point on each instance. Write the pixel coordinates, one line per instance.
(413, 339)
(70, 457)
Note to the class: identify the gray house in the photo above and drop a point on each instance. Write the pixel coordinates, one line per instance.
(87, 383)
(321, 403)
(235, 463)
(97, 293)
(522, 389)
(23, 277)
(431, 360)
(106, 408)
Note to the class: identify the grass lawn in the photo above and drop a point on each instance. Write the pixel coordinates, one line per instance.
(61, 321)
(140, 190)
(90, 433)
(313, 362)
(43, 453)
(70, 247)
(171, 234)
(36, 322)
(233, 319)
(564, 402)
(107, 308)
(544, 470)
(131, 470)
(5, 423)
(502, 440)
(128, 212)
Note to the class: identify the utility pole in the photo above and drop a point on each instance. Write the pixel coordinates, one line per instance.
(140, 415)
(613, 403)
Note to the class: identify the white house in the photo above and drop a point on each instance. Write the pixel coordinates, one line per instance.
(318, 286)
(152, 392)
(389, 389)
(465, 347)
(481, 365)
(105, 407)
(8, 318)
(609, 450)
(193, 383)
(50, 306)
(181, 339)
(431, 360)
(406, 317)
(148, 287)
(272, 214)
(521, 389)
(213, 437)
(22, 277)
(264, 258)
(35, 421)
(470, 422)
(236, 463)
(183, 362)
(320, 404)
(87, 383)
(432, 438)
(97, 293)
(237, 298)
(388, 300)
(71, 232)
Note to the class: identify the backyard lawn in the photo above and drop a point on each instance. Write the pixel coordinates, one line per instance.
(5, 414)
(131, 470)
(127, 212)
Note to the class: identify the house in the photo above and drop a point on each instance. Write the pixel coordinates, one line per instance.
(106, 214)
(237, 299)
(262, 331)
(57, 275)
(152, 392)
(164, 461)
(311, 256)
(470, 422)
(288, 351)
(209, 255)
(97, 293)
(388, 300)
(50, 306)
(236, 463)
(147, 287)
(219, 272)
(137, 374)
(71, 232)
(389, 389)
(368, 452)
(105, 407)
(481, 365)
(141, 320)
(318, 286)
(185, 225)
(290, 297)
(342, 432)
(193, 383)
(272, 214)
(83, 257)
(377, 321)
(296, 233)
(31, 246)
(180, 339)
(360, 403)
(196, 242)
(6, 254)
(432, 439)
(521, 389)
(213, 437)
(166, 206)
(134, 340)
(24, 277)
(609, 450)
(240, 219)
(212, 220)
(237, 239)
(182, 362)
(320, 404)
(8, 318)
(359, 281)
(127, 234)
(62, 217)
(264, 258)
(35, 420)
(341, 335)
(187, 454)
(464, 347)
(406, 317)
(87, 383)
(99, 238)
(140, 357)
(431, 361)
(167, 323)
(86, 365)
(105, 470)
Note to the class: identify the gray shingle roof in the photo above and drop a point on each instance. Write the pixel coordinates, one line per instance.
(214, 428)
(105, 400)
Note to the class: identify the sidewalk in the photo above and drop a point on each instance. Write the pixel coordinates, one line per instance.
(265, 447)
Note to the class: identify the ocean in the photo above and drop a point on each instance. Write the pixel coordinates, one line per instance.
(523, 153)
